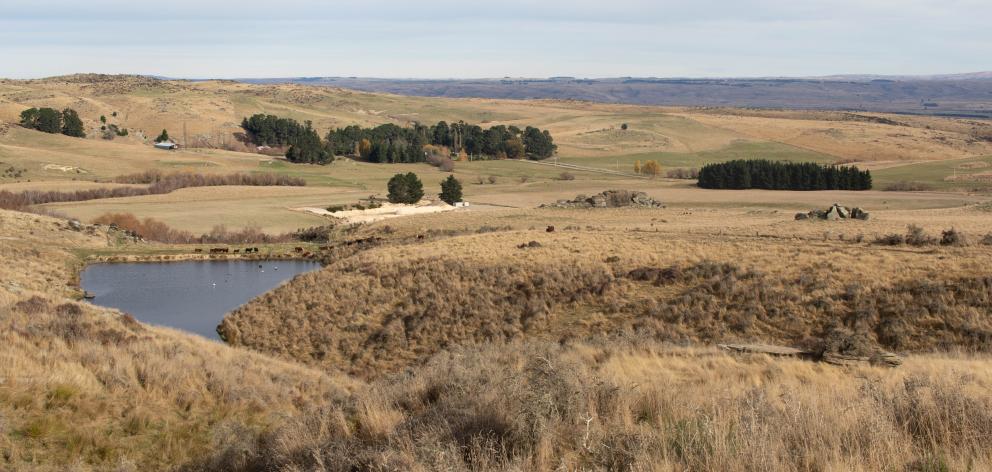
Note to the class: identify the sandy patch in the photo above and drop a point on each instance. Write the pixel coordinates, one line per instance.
(64, 168)
(385, 212)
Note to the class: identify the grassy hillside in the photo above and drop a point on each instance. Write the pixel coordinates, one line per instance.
(210, 111)
(417, 300)
(940, 154)
(87, 388)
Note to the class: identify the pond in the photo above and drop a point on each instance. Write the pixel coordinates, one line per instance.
(193, 296)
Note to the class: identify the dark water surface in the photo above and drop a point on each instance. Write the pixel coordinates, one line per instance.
(192, 296)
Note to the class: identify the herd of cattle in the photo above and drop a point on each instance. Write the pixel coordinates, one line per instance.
(297, 251)
(225, 250)
(254, 250)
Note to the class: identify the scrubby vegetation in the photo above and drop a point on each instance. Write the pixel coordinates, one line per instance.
(154, 230)
(917, 236)
(771, 175)
(452, 302)
(687, 174)
(158, 183)
(637, 405)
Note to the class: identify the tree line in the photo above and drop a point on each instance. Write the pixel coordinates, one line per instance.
(769, 175)
(304, 143)
(50, 120)
(390, 143)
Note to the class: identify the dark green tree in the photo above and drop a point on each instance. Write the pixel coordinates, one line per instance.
(162, 137)
(451, 190)
(764, 174)
(308, 148)
(71, 124)
(538, 143)
(50, 120)
(405, 188)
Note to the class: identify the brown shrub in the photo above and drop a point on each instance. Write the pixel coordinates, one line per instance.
(405, 319)
(683, 173)
(953, 237)
(545, 407)
(158, 184)
(155, 230)
(32, 306)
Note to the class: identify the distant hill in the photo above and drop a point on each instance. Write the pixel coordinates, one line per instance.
(960, 95)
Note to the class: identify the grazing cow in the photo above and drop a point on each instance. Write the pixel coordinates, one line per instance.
(198, 250)
(237, 251)
(551, 229)
(298, 249)
(420, 236)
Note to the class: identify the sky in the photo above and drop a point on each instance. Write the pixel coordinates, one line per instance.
(506, 38)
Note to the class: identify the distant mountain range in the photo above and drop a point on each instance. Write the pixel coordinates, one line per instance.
(959, 95)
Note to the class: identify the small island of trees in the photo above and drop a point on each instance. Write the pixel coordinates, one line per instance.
(50, 120)
(390, 143)
(770, 175)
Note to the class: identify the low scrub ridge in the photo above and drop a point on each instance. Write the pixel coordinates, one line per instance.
(158, 183)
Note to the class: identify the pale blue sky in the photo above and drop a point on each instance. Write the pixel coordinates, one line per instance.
(466, 39)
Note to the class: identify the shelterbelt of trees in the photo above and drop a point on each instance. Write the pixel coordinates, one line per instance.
(390, 143)
(770, 175)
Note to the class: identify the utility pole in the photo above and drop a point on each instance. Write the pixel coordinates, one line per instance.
(185, 141)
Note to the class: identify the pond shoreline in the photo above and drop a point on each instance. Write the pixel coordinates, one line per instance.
(193, 295)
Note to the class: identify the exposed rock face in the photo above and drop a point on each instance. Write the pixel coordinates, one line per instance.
(835, 212)
(609, 199)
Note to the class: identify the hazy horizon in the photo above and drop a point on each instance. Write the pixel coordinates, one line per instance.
(438, 39)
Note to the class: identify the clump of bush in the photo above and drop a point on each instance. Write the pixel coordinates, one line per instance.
(916, 236)
(953, 237)
(566, 176)
(687, 174)
(443, 163)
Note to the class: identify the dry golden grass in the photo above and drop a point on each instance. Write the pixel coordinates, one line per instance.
(913, 149)
(467, 352)
(393, 307)
(84, 386)
(642, 406)
(91, 389)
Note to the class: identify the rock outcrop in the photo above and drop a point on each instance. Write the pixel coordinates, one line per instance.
(609, 199)
(835, 212)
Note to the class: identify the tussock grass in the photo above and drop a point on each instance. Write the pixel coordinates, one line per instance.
(642, 406)
(387, 309)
